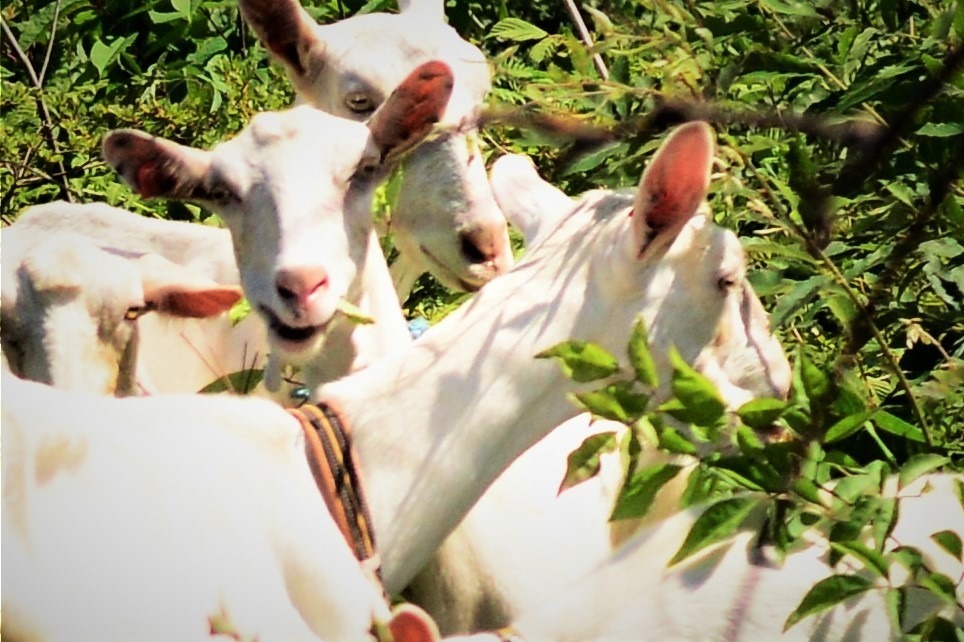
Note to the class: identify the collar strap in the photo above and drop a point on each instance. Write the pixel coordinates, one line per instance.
(329, 451)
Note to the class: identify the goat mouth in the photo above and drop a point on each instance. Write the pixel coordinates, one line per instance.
(465, 286)
(288, 333)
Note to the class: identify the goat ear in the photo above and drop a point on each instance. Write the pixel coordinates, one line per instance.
(156, 167)
(287, 31)
(433, 9)
(175, 290)
(409, 113)
(409, 623)
(525, 198)
(675, 183)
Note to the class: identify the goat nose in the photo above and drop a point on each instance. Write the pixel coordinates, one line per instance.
(479, 246)
(296, 284)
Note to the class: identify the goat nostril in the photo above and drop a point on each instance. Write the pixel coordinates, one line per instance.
(471, 251)
(298, 284)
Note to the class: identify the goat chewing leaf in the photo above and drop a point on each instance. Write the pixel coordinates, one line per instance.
(354, 314)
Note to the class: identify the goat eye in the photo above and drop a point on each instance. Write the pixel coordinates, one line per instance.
(359, 103)
(726, 282)
(367, 168)
(219, 193)
(134, 312)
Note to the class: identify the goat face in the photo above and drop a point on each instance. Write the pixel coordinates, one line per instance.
(446, 219)
(70, 308)
(664, 260)
(295, 190)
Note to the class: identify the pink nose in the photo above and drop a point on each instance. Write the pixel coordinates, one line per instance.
(297, 284)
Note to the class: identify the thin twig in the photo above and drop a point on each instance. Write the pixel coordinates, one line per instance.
(586, 37)
(45, 113)
(50, 43)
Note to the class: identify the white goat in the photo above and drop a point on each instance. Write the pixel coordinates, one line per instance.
(721, 593)
(450, 413)
(295, 190)
(70, 308)
(445, 219)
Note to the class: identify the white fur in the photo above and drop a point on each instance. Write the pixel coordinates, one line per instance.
(722, 594)
(446, 220)
(70, 308)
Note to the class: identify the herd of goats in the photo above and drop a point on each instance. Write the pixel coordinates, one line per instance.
(415, 496)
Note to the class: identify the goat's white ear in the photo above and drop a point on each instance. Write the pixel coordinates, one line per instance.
(287, 31)
(157, 167)
(173, 289)
(433, 9)
(409, 113)
(527, 200)
(675, 183)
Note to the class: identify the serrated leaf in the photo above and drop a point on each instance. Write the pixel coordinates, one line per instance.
(870, 558)
(896, 599)
(637, 495)
(640, 358)
(761, 413)
(701, 402)
(716, 523)
(353, 312)
(919, 465)
(582, 361)
(846, 427)
(583, 463)
(516, 30)
(826, 594)
(950, 542)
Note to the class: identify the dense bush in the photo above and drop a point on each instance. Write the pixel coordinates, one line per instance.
(855, 234)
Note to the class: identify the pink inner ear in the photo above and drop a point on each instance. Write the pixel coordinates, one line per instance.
(425, 93)
(150, 181)
(677, 180)
(411, 626)
(198, 304)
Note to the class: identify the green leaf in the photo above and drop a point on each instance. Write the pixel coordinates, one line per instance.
(950, 542)
(102, 55)
(701, 403)
(941, 586)
(640, 357)
(672, 441)
(583, 462)
(807, 489)
(919, 465)
(846, 427)
(870, 558)
(637, 495)
(896, 599)
(896, 426)
(239, 311)
(761, 413)
(718, 521)
(883, 522)
(791, 8)
(828, 593)
(516, 30)
(353, 312)
(941, 130)
(183, 8)
(816, 383)
(616, 401)
(241, 382)
(582, 361)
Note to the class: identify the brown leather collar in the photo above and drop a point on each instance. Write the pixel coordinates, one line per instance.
(330, 456)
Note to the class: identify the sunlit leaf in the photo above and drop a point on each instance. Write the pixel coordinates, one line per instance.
(637, 495)
(583, 463)
(582, 361)
(717, 522)
(826, 594)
